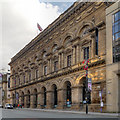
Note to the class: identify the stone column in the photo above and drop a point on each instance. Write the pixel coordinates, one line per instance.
(80, 48)
(26, 76)
(65, 60)
(82, 54)
(49, 101)
(40, 70)
(77, 54)
(59, 62)
(48, 66)
(62, 61)
(76, 97)
(93, 48)
(33, 74)
(25, 101)
(32, 101)
(61, 99)
(74, 57)
(39, 100)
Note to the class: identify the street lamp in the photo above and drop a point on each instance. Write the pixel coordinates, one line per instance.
(86, 94)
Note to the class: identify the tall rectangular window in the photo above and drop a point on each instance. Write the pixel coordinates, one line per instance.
(116, 37)
(86, 53)
(15, 82)
(24, 79)
(29, 76)
(55, 65)
(96, 51)
(36, 73)
(19, 80)
(9, 82)
(45, 70)
(68, 60)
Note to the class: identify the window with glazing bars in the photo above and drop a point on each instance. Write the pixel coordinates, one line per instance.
(68, 60)
(55, 65)
(116, 37)
(86, 53)
(45, 70)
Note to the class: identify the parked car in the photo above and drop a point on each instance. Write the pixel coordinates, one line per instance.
(8, 106)
(1, 106)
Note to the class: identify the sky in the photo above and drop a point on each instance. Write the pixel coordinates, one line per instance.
(18, 23)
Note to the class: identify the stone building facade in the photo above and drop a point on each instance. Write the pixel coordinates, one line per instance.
(48, 72)
(113, 57)
(4, 88)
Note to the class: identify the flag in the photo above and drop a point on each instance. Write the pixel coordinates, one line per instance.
(39, 27)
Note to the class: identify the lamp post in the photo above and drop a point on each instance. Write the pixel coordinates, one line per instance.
(86, 94)
(87, 88)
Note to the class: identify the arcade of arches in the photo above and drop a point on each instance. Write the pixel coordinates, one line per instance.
(60, 95)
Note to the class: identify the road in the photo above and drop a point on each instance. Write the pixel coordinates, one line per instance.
(23, 113)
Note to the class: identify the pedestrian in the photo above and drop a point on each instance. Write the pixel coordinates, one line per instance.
(18, 105)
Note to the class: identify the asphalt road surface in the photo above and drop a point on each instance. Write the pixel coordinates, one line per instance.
(23, 113)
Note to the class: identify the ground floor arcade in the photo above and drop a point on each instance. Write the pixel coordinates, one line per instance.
(63, 93)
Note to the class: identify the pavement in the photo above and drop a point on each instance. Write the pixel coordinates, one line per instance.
(72, 111)
(18, 113)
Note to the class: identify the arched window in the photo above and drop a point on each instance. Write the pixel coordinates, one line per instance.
(68, 94)
(45, 70)
(17, 98)
(28, 99)
(44, 96)
(84, 31)
(67, 41)
(44, 54)
(55, 48)
(54, 97)
(22, 99)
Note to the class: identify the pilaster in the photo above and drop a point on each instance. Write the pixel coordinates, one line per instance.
(32, 101)
(49, 100)
(61, 99)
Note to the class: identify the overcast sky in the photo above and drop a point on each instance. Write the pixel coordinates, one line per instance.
(18, 23)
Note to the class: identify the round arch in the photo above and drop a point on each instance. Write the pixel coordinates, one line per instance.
(22, 99)
(82, 83)
(43, 96)
(67, 93)
(79, 78)
(28, 99)
(54, 47)
(17, 97)
(85, 24)
(54, 95)
(66, 40)
(35, 98)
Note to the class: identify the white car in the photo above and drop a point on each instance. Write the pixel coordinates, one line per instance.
(1, 106)
(8, 106)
